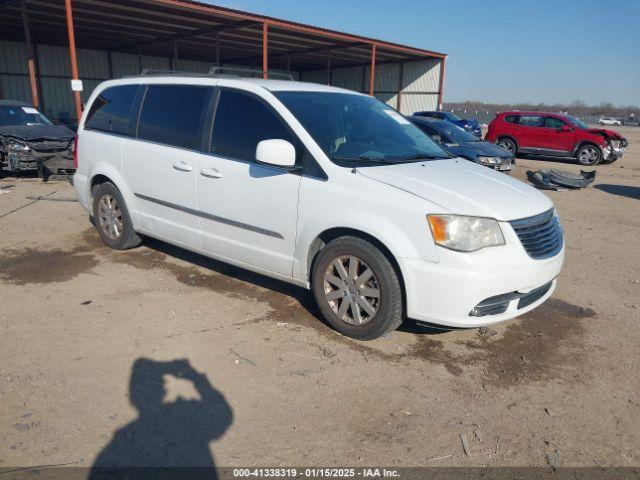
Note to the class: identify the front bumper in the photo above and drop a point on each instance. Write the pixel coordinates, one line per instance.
(614, 149)
(24, 162)
(446, 293)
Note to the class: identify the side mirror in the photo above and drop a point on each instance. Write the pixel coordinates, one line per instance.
(276, 152)
(566, 128)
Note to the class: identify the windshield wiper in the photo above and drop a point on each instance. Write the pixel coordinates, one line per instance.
(362, 158)
(422, 156)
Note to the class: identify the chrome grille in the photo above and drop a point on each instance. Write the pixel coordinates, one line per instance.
(540, 235)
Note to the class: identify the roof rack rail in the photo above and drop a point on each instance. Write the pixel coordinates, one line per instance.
(151, 72)
(247, 72)
(217, 71)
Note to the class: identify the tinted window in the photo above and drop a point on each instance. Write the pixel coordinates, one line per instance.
(511, 118)
(531, 121)
(552, 122)
(110, 110)
(174, 115)
(241, 122)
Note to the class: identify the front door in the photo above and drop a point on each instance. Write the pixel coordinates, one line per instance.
(555, 139)
(161, 163)
(248, 210)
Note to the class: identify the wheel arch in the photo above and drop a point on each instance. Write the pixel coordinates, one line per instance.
(330, 234)
(510, 137)
(106, 173)
(582, 143)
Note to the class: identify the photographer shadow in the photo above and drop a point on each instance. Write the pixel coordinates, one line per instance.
(168, 439)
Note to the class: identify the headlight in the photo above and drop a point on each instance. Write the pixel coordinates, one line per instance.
(17, 146)
(465, 234)
(490, 160)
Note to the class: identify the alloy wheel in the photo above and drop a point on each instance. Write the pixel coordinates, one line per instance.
(507, 145)
(110, 217)
(352, 290)
(588, 155)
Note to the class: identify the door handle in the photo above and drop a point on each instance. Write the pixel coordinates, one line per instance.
(210, 172)
(183, 167)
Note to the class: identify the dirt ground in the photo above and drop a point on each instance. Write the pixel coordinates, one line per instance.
(101, 354)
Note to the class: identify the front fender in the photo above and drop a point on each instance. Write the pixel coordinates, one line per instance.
(395, 218)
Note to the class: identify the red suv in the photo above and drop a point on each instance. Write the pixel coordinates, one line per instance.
(555, 135)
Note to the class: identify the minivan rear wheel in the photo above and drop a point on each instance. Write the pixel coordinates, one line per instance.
(357, 289)
(111, 218)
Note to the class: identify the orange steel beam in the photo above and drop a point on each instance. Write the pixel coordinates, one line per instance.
(31, 61)
(72, 54)
(441, 87)
(372, 70)
(265, 49)
(299, 27)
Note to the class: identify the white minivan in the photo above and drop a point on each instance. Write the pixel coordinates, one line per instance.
(321, 187)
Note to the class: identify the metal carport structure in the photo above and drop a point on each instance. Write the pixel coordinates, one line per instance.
(44, 43)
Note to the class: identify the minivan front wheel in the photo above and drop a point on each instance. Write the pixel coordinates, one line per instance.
(357, 289)
(111, 218)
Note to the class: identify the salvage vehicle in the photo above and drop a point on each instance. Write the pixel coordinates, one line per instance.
(30, 142)
(463, 144)
(325, 188)
(609, 121)
(469, 124)
(554, 134)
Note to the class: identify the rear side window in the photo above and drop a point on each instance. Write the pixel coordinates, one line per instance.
(531, 121)
(174, 115)
(241, 122)
(553, 122)
(511, 118)
(110, 110)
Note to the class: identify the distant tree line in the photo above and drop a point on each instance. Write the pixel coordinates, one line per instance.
(577, 107)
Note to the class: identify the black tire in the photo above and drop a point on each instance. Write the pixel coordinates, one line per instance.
(589, 155)
(389, 303)
(127, 237)
(508, 144)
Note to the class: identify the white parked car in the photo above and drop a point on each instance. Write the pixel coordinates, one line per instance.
(609, 121)
(321, 187)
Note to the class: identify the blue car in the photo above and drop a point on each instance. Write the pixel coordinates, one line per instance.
(463, 144)
(469, 124)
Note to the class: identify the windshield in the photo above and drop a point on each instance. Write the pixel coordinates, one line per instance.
(352, 127)
(14, 115)
(452, 117)
(457, 134)
(577, 122)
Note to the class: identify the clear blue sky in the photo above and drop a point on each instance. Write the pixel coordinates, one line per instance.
(499, 51)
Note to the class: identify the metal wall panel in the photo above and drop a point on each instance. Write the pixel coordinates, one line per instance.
(13, 57)
(57, 98)
(387, 77)
(349, 77)
(194, 66)
(15, 87)
(314, 76)
(54, 60)
(155, 63)
(123, 64)
(414, 102)
(92, 63)
(421, 76)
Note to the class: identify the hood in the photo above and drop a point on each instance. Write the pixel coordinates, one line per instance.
(37, 132)
(484, 149)
(464, 188)
(605, 133)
